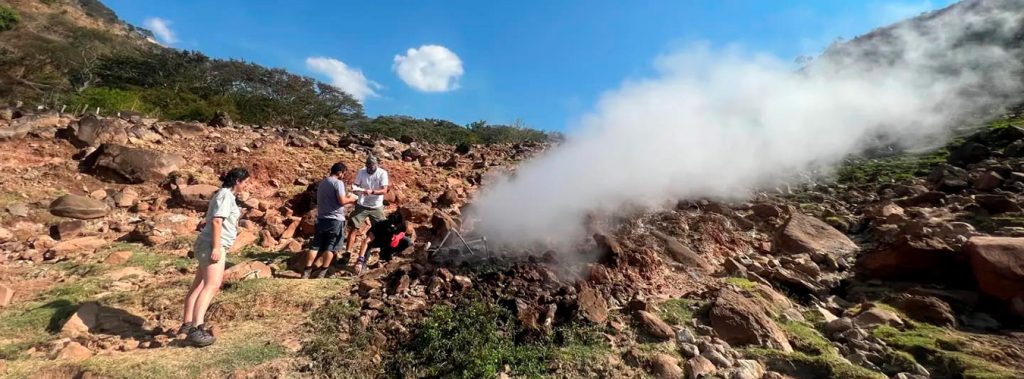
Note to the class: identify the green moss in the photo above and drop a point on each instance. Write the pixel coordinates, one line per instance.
(675, 311)
(942, 351)
(806, 339)
(890, 169)
(803, 365)
(813, 356)
(9, 18)
(743, 284)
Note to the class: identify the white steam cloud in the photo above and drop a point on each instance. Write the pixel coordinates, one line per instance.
(720, 122)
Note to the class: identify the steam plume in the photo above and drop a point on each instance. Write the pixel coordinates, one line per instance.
(719, 122)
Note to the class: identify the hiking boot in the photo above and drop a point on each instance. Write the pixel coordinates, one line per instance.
(321, 274)
(201, 337)
(306, 274)
(184, 328)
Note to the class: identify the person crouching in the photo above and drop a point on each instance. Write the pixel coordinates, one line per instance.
(391, 236)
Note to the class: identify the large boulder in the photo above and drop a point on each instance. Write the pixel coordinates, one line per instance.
(196, 197)
(131, 165)
(94, 131)
(923, 308)
(247, 270)
(927, 259)
(741, 321)
(804, 234)
(78, 207)
(998, 264)
(970, 152)
(20, 127)
(181, 129)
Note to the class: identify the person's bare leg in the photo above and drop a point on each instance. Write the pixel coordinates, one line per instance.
(351, 238)
(193, 294)
(214, 275)
(327, 259)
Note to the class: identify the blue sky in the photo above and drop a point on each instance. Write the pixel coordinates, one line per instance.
(544, 62)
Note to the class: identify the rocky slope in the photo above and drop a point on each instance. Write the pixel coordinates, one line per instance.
(914, 278)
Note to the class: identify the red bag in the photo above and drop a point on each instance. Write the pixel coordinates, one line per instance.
(396, 239)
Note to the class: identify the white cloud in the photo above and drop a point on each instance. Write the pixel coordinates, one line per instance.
(349, 79)
(430, 68)
(162, 29)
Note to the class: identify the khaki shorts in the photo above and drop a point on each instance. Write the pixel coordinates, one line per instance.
(361, 213)
(203, 252)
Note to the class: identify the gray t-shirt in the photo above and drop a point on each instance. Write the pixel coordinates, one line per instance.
(327, 203)
(221, 205)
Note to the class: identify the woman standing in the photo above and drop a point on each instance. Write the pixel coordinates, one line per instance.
(211, 248)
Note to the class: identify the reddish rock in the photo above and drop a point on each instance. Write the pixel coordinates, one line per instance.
(998, 264)
(79, 246)
(118, 257)
(247, 270)
(592, 305)
(79, 207)
(70, 229)
(126, 198)
(699, 367)
(132, 165)
(740, 321)
(682, 254)
(244, 239)
(928, 309)
(665, 366)
(74, 352)
(808, 235)
(654, 326)
(6, 295)
(875, 315)
(928, 259)
(196, 197)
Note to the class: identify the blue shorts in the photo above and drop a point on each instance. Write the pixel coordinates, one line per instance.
(329, 234)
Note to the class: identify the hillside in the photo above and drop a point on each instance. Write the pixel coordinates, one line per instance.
(901, 265)
(77, 56)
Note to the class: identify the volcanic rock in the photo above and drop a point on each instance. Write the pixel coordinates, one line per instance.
(806, 234)
(74, 351)
(928, 309)
(665, 366)
(247, 270)
(132, 165)
(654, 326)
(196, 197)
(740, 321)
(79, 207)
(699, 367)
(998, 264)
(927, 259)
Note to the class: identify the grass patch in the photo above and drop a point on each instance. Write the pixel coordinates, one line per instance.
(803, 365)
(813, 356)
(675, 311)
(339, 345)
(28, 324)
(892, 169)
(473, 339)
(942, 351)
(245, 347)
(181, 242)
(742, 283)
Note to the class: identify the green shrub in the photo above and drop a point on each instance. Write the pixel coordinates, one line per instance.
(9, 18)
(109, 100)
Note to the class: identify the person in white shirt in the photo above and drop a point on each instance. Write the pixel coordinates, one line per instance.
(371, 185)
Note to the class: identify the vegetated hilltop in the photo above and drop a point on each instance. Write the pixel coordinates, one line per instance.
(78, 56)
